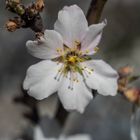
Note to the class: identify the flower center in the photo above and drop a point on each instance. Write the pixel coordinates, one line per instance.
(71, 59)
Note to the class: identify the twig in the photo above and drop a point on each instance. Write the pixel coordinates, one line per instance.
(31, 103)
(95, 11)
(27, 16)
(61, 114)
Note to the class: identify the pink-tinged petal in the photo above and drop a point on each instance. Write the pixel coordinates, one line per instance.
(71, 24)
(47, 47)
(78, 97)
(101, 77)
(40, 79)
(92, 38)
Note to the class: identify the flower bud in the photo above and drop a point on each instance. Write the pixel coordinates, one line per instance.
(39, 5)
(122, 84)
(20, 9)
(11, 26)
(132, 94)
(11, 4)
(124, 71)
(16, 1)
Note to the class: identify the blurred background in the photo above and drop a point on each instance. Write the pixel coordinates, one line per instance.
(106, 118)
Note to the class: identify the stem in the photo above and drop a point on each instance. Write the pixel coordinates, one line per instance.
(95, 11)
(28, 16)
(31, 103)
(61, 114)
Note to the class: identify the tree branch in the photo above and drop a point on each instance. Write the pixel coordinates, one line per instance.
(61, 114)
(95, 11)
(31, 103)
(27, 16)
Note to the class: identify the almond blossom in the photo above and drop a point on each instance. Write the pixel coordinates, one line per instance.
(67, 67)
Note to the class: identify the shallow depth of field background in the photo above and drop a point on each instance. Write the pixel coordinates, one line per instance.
(106, 118)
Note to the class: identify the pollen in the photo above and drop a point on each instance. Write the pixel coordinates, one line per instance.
(87, 51)
(77, 43)
(59, 50)
(96, 49)
(80, 52)
(72, 59)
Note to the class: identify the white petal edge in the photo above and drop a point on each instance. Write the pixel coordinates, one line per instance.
(38, 134)
(39, 80)
(92, 38)
(46, 47)
(104, 78)
(76, 99)
(71, 24)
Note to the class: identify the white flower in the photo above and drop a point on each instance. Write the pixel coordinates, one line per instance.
(38, 135)
(68, 67)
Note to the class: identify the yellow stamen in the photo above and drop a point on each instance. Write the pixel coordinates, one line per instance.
(80, 52)
(72, 59)
(96, 49)
(87, 51)
(77, 43)
(77, 80)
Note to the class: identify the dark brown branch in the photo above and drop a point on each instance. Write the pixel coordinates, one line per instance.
(61, 114)
(95, 11)
(31, 103)
(27, 16)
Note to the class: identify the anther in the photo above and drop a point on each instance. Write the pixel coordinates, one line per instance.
(80, 52)
(87, 51)
(77, 42)
(96, 49)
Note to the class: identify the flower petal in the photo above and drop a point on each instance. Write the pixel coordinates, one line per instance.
(92, 38)
(40, 81)
(76, 98)
(47, 47)
(103, 78)
(38, 134)
(71, 24)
